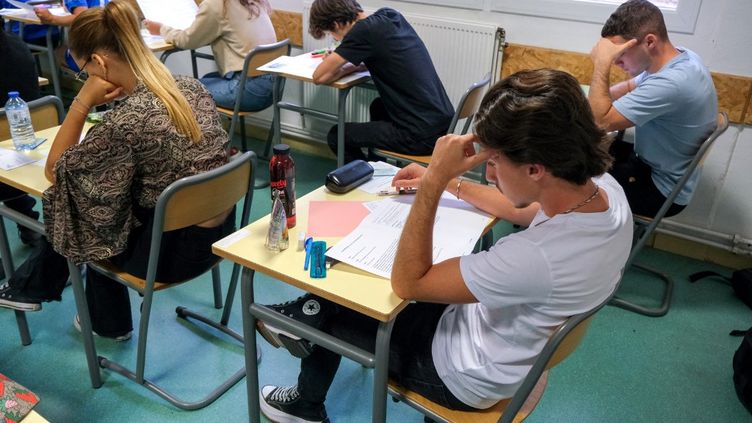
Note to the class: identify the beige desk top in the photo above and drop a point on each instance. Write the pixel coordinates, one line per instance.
(27, 18)
(336, 84)
(355, 289)
(30, 178)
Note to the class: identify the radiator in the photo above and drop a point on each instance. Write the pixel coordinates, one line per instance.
(462, 52)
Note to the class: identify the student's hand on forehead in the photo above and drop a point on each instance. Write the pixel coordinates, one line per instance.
(606, 51)
(97, 91)
(454, 155)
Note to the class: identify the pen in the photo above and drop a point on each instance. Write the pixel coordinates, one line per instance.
(398, 191)
(307, 247)
(319, 52)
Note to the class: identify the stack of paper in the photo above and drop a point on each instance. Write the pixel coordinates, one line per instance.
(178, 14)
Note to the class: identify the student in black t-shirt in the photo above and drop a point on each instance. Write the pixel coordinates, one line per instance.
(18, 72)
(413, 109)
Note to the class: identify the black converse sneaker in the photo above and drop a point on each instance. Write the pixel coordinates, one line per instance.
(283, 405)
(16, 300)
(308, 309)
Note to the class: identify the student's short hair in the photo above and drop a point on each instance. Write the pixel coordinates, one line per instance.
(542, 117)
(635, 19)
(325, 14)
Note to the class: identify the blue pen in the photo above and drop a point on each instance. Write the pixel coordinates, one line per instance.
(307, 245)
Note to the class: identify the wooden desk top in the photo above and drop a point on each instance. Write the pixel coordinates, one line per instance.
(43, 81)
(355, 289)
(336, 84)
(27, 18)
(30, 178)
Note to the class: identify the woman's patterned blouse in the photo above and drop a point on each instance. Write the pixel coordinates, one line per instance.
(126, 161)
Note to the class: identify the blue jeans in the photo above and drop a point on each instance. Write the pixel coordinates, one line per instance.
(257, 96)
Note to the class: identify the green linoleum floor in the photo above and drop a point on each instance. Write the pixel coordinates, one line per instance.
(630, 368)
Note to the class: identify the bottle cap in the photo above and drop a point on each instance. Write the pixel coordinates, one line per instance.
(281, 149)
(12, 93)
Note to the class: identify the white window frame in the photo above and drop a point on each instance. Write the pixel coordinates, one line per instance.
(682, 20)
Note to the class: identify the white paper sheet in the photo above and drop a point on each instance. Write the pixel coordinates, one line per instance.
(383, 173)
(56, 9)
(178, 14)
(10, 159)
(302, 66)
(373, 244)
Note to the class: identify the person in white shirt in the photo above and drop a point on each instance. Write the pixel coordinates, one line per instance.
(480, 321)
(233, 28)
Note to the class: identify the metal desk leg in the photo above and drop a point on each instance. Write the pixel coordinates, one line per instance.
(53, 64)
(86, 332)
(341, 103)
(276, 119)
(23, 325)
(381, 371)
(249, 337)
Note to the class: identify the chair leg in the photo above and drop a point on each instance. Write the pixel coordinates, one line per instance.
(242, 134)
(649, 311)
(217, 285)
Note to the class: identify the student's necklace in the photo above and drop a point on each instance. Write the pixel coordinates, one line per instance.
(587, 201)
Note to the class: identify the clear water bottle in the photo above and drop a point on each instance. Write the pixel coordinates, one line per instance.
(19, 120)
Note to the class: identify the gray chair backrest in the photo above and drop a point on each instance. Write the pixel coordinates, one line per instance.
(469, 103)
(563, 342)
(195, 199)
(702, 152)
(46, 112)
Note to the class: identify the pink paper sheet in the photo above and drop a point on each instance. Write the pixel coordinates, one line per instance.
(334, 218)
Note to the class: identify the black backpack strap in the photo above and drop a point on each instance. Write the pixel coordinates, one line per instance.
(694, 277)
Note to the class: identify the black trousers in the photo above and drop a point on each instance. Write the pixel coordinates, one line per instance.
(410, 357)
(185, 254)
(18, 200)
(382, 133)
(634, 176)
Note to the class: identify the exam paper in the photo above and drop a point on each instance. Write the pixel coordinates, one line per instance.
(383, 173)
(372, 246)
(178, 14)
(56, 9)
(10, 159)
(302, 66)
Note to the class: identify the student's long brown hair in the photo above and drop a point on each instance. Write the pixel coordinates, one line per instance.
(254, 7)
(115, 29)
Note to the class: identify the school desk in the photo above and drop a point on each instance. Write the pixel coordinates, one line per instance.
(345, 285)
(343, 90)
(30, 179)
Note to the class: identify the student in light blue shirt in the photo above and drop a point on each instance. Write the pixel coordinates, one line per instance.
(671, 101)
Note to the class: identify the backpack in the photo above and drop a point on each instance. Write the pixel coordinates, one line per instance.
(743, 368)
(740, 280)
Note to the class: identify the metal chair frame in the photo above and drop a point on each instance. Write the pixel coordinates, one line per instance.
(241, 168)
(645, 227)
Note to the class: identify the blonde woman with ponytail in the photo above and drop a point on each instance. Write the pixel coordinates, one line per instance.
(105, 188)
(233, 28)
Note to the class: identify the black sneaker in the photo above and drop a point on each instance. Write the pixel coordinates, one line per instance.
(16, 300)
(283, 405)
(308, 309)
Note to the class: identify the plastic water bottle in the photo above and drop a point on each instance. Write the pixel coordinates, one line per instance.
(19, 120)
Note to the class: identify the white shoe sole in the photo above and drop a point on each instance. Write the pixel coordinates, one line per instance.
(276, 337)
(20, 306)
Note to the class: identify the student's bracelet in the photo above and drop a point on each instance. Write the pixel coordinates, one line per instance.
(459, 184)
(78, 100)
(79, 109)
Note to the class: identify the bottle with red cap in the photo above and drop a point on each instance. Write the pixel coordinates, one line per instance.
(282, 180)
